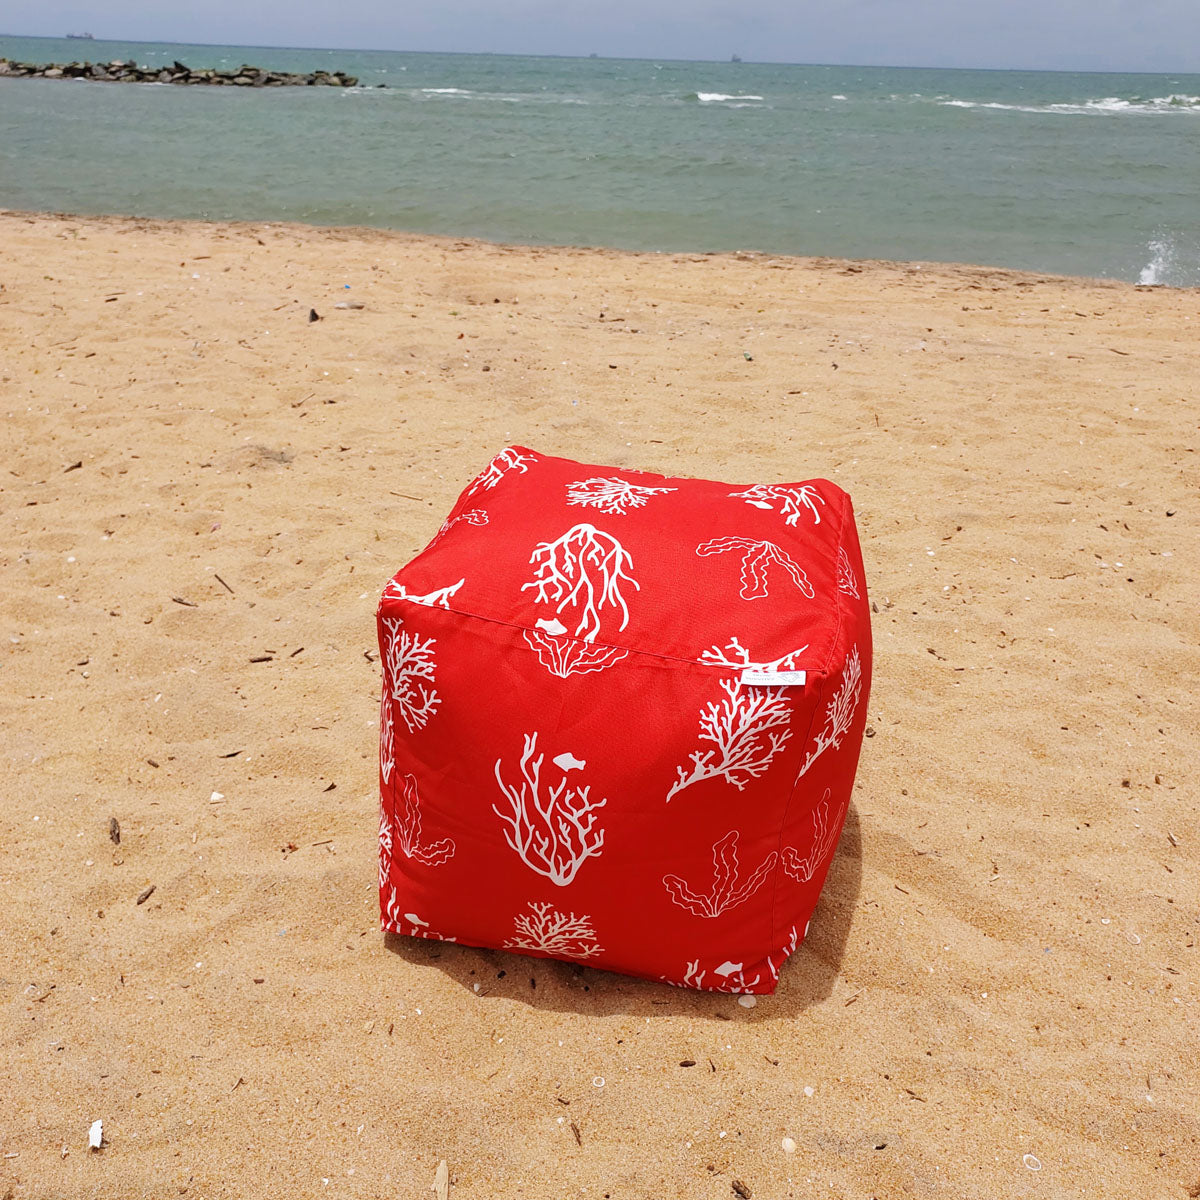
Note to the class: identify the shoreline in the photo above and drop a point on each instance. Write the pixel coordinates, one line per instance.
(815, 261)
(206, 492)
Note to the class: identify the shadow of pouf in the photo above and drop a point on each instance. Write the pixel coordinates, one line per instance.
(806, 978)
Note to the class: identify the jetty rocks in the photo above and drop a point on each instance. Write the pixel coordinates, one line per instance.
(119, 71)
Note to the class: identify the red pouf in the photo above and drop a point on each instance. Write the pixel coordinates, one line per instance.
(621, 718)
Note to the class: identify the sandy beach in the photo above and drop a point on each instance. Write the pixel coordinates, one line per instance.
(204, 493)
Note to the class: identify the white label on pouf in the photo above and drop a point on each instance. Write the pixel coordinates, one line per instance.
(761, 678)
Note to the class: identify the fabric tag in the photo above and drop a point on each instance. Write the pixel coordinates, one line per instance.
(756, 677)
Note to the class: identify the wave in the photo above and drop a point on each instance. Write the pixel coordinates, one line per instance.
(717, 97)
(446, 92)
(1162, 259)
(1174, 261)
(1107, 104)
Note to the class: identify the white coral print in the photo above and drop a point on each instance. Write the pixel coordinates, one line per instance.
(387, 735)
(583, 570)
(846, 581)
(563, 656)
(735, 656)
(802, 867)
(472, 516)
(794, 500)
(840, 711)
(553, 830)
(612, 496)
(549, 931)
(404, 831)
(756, 558)
(745, 730)
(408, 673)
(437, 599)
(728, 889)
(385, 846)
(509, 459)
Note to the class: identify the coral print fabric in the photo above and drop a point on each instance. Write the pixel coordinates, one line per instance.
(621, 718)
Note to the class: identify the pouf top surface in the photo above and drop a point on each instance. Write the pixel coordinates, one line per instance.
(665, 566)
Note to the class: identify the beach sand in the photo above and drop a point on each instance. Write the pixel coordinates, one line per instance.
(998, 997)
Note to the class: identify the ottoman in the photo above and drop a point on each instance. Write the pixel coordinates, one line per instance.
(621, 718)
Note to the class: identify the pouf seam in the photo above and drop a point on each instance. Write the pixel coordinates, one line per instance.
(671, 658)
(787, 809)
(824, 676)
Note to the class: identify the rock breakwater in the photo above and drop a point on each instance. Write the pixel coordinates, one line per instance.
(120, 71)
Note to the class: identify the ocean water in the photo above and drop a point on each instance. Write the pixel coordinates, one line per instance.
(1082, 174)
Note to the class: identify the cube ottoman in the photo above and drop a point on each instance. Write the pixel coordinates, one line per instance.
(621, 718)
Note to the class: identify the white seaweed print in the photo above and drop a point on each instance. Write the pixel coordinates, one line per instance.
(408, 673)
(611, 496)
(400, 922)
(403, 831)
(802, 867)
(509, 459)
(746, 732)
(756, 558)
(563, 656)
(553, 829)
(839, 713)
(409, 924)
(730, 976)
(728, 888)
(437, 599)
(472, 516)
(563, 935)
(776, 960)
(735, 656)
(794, 500)
(583, 570)
(845, 574)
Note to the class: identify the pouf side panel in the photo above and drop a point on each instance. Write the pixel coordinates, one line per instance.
(455, 781)
(817, 809)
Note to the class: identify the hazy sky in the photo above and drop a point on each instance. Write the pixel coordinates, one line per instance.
(1130, 35)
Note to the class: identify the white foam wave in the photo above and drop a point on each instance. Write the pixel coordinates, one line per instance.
(838, 96)
(1106, 104)
(718, 97)
(446, 92)
(1162, 260)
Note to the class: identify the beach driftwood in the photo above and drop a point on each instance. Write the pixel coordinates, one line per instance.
(120, 71)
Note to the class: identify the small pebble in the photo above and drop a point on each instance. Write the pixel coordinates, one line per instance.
(747, 1001)
(789, 1145)
(1032, 1162)
(808, 1091)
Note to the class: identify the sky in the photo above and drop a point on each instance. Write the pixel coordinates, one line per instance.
(1077, 35)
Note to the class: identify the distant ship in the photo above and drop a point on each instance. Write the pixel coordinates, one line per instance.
(735, 58)
(81, 37)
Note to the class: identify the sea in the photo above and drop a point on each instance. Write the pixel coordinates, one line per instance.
(1080, 174)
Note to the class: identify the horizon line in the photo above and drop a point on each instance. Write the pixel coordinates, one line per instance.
(732, 61)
